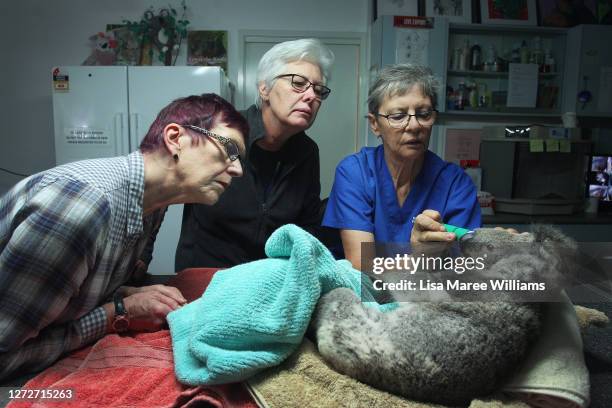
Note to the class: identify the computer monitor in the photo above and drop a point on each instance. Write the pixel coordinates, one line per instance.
(599, 180)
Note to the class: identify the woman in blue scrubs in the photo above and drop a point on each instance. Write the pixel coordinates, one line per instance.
(400, 191)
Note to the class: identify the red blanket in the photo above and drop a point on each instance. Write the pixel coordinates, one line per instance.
(134, 371)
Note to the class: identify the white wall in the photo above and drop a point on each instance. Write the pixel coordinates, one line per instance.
(36, 35)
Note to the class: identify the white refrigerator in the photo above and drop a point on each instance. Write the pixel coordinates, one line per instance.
(106, 111)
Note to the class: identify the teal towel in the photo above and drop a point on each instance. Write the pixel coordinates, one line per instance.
(254, 315)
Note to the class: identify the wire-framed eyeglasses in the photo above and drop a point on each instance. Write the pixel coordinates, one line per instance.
(231, 148)
(301, 84)
(424, 118)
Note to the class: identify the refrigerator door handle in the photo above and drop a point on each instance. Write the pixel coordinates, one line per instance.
(119, 127)
(134, 130)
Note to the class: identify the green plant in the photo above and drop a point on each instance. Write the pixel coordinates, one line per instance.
(162, 29)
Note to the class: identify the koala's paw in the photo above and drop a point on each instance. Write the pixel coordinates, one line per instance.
(347, 332)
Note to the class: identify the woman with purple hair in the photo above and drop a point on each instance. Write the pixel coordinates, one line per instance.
(73, 237)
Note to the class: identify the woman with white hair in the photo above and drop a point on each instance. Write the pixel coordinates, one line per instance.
(281, 183)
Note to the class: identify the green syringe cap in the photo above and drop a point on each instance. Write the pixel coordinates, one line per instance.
(459, 232)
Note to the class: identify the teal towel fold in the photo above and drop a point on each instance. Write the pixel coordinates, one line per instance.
(254, 315)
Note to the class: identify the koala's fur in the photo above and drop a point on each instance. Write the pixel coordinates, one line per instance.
(446, 352)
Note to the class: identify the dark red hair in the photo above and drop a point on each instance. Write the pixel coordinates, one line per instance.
(205, 111)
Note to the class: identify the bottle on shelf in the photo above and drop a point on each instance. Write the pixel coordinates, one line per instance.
(473, 95)
(537, 55)
(524, 51)
(475, 58)
(484, 98)
(465, 55)
(490, 58)
(549, 61)
(515, 56)
(461, 97)
(450, 97)
(456, 58)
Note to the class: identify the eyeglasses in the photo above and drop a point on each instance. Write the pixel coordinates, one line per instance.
(231, 148)
(301, 84)
(400, 120)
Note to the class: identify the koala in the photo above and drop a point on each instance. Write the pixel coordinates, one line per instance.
(444, 352)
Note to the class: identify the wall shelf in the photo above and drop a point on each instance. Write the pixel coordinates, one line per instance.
(494, 74)
(453, 38)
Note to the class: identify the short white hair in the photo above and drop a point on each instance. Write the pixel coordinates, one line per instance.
(275, 60)
(397, 79)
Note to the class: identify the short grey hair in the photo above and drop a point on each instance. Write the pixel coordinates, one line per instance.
(397, 79)
(275, 60)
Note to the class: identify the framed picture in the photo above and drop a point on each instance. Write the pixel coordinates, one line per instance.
(208, 48)
(457, 11)
(568, 14)
(397, 8)
(513, 12)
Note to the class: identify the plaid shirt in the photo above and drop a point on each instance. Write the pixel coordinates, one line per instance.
(69, 237)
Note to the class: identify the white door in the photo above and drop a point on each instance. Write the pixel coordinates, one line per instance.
(151, 89)
(339, 124)
(90, 113)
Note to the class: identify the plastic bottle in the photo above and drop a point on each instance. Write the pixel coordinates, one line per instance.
(482, 98)
(537, 55)
(524, 53)
(549, 61)
(516, 53)
(461, 96)
(473, 95)
(490, 58)
(476, 58)
(465, 55)
(456, 57)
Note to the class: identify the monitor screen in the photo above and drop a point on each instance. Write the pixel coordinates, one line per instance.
(600, 177)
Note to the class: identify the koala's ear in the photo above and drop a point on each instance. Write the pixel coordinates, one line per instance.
(547, 234)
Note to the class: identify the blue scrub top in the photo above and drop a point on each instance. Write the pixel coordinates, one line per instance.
(363, 196)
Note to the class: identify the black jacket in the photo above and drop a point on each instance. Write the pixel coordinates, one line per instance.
(236, 228)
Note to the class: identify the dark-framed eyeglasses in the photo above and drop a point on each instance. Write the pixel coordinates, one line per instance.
(301, 84)
(231, 148)
(399, 120)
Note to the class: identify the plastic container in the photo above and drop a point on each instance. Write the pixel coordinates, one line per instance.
(475, 58)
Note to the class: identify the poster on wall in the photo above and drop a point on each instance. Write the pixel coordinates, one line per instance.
(208, 48)
(461, 144)
(411, 46)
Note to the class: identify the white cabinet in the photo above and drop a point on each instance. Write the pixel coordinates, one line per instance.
(490, 81)
(589, 69)
(480, 85)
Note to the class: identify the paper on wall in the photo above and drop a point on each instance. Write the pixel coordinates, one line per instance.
(411, 46)
(462, 144)
(522, 85)
(86, 136)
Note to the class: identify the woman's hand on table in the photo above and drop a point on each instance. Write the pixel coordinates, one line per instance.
(148, 306)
